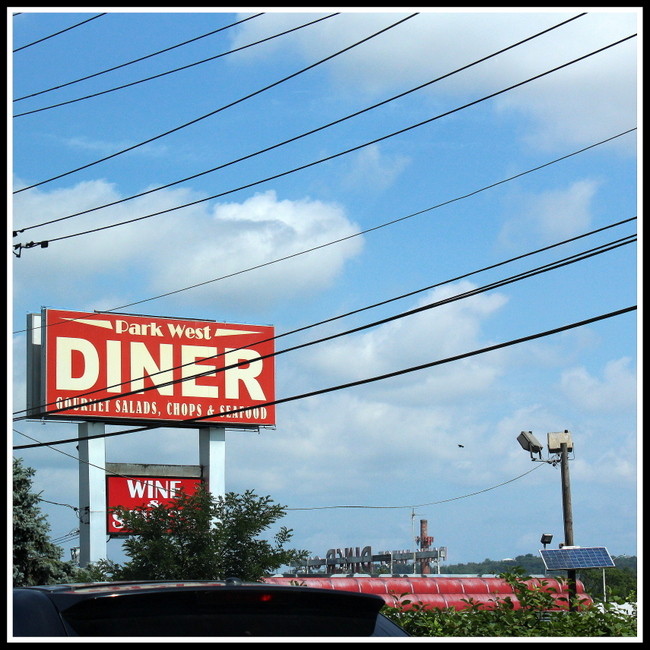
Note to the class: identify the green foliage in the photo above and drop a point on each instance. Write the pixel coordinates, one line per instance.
(203, 537)
(101, 571)
(36, 560)
(620, 582)
(533, 619)
(625, 561)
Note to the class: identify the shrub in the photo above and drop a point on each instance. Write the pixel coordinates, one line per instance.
(535, 617)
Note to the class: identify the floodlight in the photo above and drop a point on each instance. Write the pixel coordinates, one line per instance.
(546, 539)
(555, 440)
(528, 441)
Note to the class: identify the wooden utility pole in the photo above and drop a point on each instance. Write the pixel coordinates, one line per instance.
(568, 520)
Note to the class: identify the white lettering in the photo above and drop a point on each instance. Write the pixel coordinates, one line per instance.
(162, 491)
(244, 374)
(114, 366)
(142, 362)
(65, 347)
(176, 330)
(136, 488)
(189, 388)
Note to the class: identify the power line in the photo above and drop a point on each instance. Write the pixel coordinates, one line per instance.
(142, 58)
(422, 505)
(327, 158)
(384, 302)
(67, 29)
(54, 503)
(369, 380)
(494, 285)
(80, 460)
(372, 229)
(409, 216)
(68, 537)
(307, 133)
(241, 99)
(163, 74)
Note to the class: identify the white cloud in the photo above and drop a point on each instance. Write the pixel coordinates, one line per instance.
(616, 390)
(181, 248)
(426, 336)
(589, 100)
(549, 216)
(257, 231)
(376, 171)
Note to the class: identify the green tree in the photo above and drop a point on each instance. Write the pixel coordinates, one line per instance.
(202, 537)
(620, 583)
(36, 560)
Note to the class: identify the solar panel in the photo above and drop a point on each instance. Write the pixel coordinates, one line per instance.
(576, 557)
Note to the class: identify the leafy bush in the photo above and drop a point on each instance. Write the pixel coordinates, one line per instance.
(200, 536)
(535, 617)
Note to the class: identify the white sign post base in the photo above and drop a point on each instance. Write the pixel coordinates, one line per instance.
(212, 458)
(92, 493)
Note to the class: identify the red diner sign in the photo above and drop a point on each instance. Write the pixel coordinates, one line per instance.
(142, 492)
(119, 367)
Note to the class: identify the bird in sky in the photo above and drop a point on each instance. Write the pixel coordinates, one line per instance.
(461, 445)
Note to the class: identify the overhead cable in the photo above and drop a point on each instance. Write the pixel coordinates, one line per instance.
(67, 29)
(238, 101)
(411, 293)
(74, 533)
(327, 158)
(76, 458)
(213, 372)
(541, 269)
(383, 225)
(142, 58)
(307, 133)
(163, 74)
(369, 380)
(421, 505)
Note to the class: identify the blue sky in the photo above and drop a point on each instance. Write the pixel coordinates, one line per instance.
(391, 445)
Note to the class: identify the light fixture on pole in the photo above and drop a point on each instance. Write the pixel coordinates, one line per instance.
(559, 446)
(546, 539)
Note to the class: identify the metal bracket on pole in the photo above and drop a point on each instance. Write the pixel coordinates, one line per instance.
(92, 493)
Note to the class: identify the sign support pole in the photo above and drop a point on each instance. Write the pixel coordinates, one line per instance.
(92, 493)
(212, 458)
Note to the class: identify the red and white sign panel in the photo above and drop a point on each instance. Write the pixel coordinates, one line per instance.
(151, 369)
(143, 491)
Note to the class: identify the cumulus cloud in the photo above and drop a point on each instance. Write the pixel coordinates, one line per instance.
(257, 231)
(429, 335)
(549, 216)
(615, 390)
(374, 170)
(182, 248)
(591, 99)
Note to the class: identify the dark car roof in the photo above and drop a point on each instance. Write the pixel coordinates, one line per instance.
(196, 608)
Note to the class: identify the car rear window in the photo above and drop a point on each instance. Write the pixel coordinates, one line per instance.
(240, 612)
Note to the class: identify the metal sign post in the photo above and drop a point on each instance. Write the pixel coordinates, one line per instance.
(212, 458)
(92, 493)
